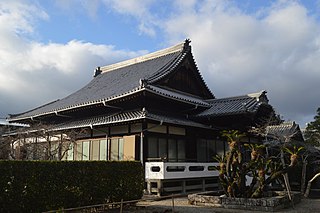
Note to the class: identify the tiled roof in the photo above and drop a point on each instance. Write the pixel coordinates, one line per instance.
(235, 105)
(177, 48)
(6, 123)
(285, 130)
(177, 95)
(126, 117)
(100, 120)
(115, 81)
(167, 68)
(175, 120)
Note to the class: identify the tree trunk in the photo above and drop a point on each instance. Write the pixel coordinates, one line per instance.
(303, 175)
(60, 145)
(49, 153)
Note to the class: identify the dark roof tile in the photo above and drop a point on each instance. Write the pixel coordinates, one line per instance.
(234, 105)
(287, 130)
(125, 117)
(177, 95)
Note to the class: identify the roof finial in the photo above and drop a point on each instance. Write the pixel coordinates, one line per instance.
(97, 72)
(144, 111)
(142, 83)
(186, 44)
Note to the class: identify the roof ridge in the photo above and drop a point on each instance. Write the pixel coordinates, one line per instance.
(228, 98)
(176, 48)
(285, 123)
(257, 94)
(250, 95)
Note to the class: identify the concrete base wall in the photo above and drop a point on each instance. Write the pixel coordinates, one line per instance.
(181, 186)
(270, 204)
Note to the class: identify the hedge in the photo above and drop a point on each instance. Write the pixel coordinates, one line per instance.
(36, 186)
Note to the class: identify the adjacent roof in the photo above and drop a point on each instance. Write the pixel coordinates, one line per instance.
(6, 123)
(115, 119)
(175, 95)
(120, 118)
(235, 105)
(285, 131)
(123, 79)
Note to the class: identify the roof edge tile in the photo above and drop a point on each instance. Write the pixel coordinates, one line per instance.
(103, 101)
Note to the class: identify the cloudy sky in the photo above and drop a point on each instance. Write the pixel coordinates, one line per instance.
(49, 48)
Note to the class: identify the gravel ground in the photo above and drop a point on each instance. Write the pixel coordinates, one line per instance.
(181, 205)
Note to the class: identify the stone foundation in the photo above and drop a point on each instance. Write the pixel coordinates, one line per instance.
(271, 203)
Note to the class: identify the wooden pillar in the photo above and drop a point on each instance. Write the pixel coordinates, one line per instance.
(49, 154)
(203, 184)
(60, 145)
(18, 152)
(184, 190)
(148, 187)
(141, 148)
(159, 187)
(35, 149)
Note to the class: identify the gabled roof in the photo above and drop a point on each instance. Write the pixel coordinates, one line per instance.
(285, 131)
(122, 79)
(249, 103)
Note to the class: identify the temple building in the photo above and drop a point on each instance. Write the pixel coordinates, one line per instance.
(156, 109)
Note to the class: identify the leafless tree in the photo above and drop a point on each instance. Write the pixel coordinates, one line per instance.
(41, 142)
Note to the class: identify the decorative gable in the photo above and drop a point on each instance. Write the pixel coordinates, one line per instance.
(187, 79)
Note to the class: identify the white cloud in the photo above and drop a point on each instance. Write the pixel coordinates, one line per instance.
(240, 53)
(140, 10)
(136, 9)
(32, 73)
(20, 17)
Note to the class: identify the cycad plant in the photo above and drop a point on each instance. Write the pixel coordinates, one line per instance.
(234, 169)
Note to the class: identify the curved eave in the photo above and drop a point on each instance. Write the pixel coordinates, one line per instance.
(59, 110)
(125, 117)
(155, 90)
(225, 114)
(103, 120)
(176, 96)
(177, 121)
(240, 112)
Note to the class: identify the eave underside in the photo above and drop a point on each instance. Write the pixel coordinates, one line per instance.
(162, 93)
(119, 119)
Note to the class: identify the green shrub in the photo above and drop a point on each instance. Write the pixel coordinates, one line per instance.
(36, 186)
